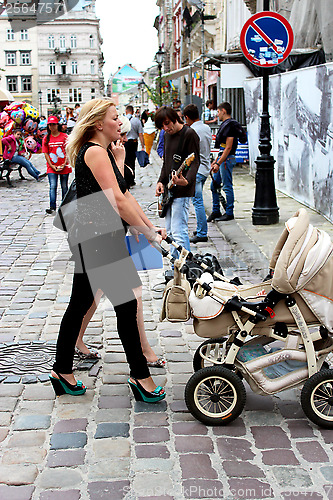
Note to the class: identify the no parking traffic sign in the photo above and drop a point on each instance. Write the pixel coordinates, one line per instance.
(266, 39)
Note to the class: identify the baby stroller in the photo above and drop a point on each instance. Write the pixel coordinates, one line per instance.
(276, 335)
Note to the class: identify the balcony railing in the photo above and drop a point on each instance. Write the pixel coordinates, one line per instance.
(64, 78)
(62, 51)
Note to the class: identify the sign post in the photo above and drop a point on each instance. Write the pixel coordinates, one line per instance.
(266, 41)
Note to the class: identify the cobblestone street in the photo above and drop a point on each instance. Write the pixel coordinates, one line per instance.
(104, 445)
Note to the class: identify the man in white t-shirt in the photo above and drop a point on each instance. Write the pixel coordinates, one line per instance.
(191, 114)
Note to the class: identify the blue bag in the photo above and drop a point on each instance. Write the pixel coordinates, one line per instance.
(143, 158)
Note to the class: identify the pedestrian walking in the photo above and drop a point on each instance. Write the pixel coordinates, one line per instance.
(131, 147)
(104, 210)
(191, 114)
(14, 152)
(54, 144)
(222, 167)
(210, 115)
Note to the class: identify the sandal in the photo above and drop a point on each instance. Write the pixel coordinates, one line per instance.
(140, 394)
(92, 354)
(159, 363)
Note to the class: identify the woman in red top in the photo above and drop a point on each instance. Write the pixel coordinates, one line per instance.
(54, 144)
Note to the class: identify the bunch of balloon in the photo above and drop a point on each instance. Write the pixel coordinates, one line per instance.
(23, 116)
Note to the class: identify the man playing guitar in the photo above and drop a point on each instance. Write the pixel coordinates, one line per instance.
(180, 141)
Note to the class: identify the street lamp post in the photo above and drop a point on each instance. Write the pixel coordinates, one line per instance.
(40, 94)
(265, 210)
(159, 56)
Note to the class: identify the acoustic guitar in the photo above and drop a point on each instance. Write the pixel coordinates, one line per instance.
(166, 198)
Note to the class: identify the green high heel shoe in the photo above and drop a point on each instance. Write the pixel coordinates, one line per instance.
(141, 394)
(61, 386)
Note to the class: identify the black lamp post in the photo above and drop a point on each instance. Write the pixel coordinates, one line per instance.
(159, 57)
(265, 210)
(55, 101)
(40, 94)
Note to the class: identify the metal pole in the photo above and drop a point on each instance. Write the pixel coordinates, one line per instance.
(190, 70)
(265, 210)
(160, 82)
(203, 56)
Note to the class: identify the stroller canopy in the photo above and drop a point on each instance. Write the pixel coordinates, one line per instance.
(303, 262)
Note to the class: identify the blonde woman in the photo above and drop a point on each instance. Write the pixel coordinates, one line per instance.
(104, 210)
(88, 353)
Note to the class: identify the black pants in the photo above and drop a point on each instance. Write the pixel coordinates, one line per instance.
(80, 302)
(131, 148)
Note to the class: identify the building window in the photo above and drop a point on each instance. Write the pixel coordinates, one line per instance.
(24, 35)
(11, 58)
(73, 41)
(93, 93)
(62, 41)
(74, 68)
(10, 34)
(51, 42)
(52, 68)
(26, 84)
(91, 41)
(63, 68)
(25, 58)
(75, 95)
(51, 93)
(12, 83)
(92, 67)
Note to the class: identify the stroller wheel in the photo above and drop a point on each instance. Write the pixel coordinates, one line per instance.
(215, 395)
(317, 398)
(211, 349)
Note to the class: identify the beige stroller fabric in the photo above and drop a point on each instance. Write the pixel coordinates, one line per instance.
(303, 262)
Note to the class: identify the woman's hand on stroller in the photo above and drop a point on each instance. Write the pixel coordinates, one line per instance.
(161, 231)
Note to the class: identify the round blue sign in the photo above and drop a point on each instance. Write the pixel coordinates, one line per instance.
(266, 39)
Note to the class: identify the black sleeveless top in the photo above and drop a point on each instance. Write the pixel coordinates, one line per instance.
(93, 207)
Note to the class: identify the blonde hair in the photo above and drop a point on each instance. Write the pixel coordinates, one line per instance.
(84, 129)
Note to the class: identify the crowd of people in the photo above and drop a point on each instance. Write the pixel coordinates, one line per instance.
(102, 147)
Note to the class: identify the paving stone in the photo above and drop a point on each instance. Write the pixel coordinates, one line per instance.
(110, 429)
(73, 425)
(195, 444)
(279, 456)
(239, 449)
(152, 484)
(38, 392)
(242, 469)
(117, 415)
(329, 491)
(60, 495)
(180, 357)
(300, 429)
(179, 407)
(250, 489)
(203, 488)
(327, 472)
(68, 440)
(293, 477)
(152, 465)
(29, 379)
(109, 469)
(16, 492)
(13, 390)
(23, 456)
(45, 407)
(7, 403)
(312, 451)
(327, 435)
(112, 448)
(32, 422)
(236, 428)
(170, 333)
(27, 438)
(3, 434)
(59, 478)
(270, 437)
(107, 490)
(150, 420)
(150, 434)
(114, 390)
(185, 367)
(142, 407)
(152, 451)
(291, 409)
(114, 402)
(256, 402)
(66, 458)
(190, 428)
(17, 475)
(197, 465)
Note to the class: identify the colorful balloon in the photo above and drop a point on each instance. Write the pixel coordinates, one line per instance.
(9, 127)
(31, 144)
(18, 116)
(41, 133)
(30, 125)
(4, 118)
(13, 106)
(30, 111)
